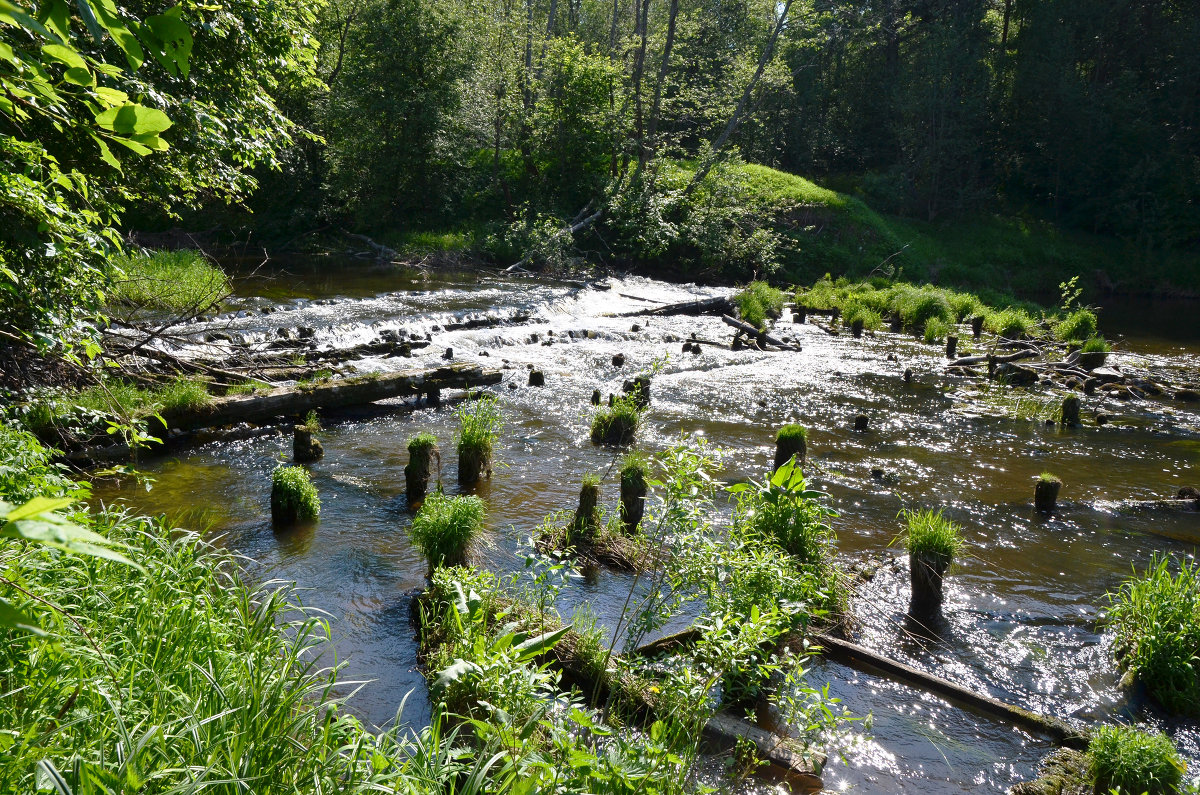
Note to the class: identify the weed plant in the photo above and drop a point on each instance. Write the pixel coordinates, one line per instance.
(420, 445)
(936, 330)
(293, 495)
(447, 528)
(182, 282)
(1096, 345)
(617, 424)
(783, 511)
(929, 533)
(1078, 326)
(853, 311)
(1156, 619)
(1126, 760)
(89, 410)
(1010, 323)
(480, 422)
(758, 303)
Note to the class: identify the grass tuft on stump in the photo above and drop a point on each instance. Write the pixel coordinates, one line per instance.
(1125, 759)
(447, 528)
(293, 495)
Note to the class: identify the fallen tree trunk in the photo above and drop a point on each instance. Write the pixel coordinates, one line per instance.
(746, 328)
(708, 306)
(969, 361)
(859, 657)
(301, 399)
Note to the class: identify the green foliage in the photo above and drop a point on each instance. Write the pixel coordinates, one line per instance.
(930, 533)
(27, 470)
(293, 494)
(312, 422)
(617, 424)
(758, 303)
(107, 405)
(447, 528)
(1010, 323)
(1096, 345)
(480, 422)
(936, 330)
(792, 431)
(1047, 477)
(1127, 760)
(182, 282)
(784, 511)
(1077, 326)
(635, 469)
(1156, 619)
(421, 444)
(853, 311)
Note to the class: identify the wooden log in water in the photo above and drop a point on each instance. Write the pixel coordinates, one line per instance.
(340, 393)
(859, 657)
(708, 306)
(970, 361)
(754, 333)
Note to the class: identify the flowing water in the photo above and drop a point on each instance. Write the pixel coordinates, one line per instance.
(1022, 605)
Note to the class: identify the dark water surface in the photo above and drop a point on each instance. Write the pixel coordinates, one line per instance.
(1022, 606)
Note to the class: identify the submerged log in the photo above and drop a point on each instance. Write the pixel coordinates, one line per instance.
(301, 399)
(970, 361)
(859, 657)
(763, 336)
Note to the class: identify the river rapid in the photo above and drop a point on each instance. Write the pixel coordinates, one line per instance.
(1022, 604)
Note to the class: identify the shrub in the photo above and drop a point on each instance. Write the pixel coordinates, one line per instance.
(617, 424)
(932, 534)
(1077, 326)
(919, 307)
(786, 512)
(293, 496)
(758, 302)
(183, 282)
(446, 528)
(937, 330)
(1124, 759)
(1156, 620)
(1010, 323)
(963, 305)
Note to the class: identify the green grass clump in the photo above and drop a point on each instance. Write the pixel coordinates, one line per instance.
(480, 422)
(1156, 619)
(617, 424)
(246, 388)
(1011, 323)
(1077, 326)
(183, 394)
(758, 302)
(871, 319)
(293, 495)
(1048, 477)
(183, 282)
(446, 528)
(918, 307)
(1096, 345)
(1124, 759)
(88, 410)
(937, 330)
(964, 305)
(421, 444)
(792, 432)
(930, 533)
(635, 469)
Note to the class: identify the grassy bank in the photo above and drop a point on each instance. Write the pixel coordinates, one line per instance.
(182, 282)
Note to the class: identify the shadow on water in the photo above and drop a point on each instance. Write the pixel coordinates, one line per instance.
(1022, 607)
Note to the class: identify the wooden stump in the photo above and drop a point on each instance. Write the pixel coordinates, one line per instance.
(977, 326)
(633, 502)
(861, 422)
(537, 378)
(417, 472)
(473, 464)
(1070, 411)
(856, 327)
(951, 346)
(639, 389)
(596, 397)
(928, 571)
(305, 449)
(1045, 494)
(787, 447)
(586, 524)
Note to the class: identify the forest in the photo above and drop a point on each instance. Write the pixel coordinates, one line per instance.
(347, 443)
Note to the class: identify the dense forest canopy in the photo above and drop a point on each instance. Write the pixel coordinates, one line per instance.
(560, 129)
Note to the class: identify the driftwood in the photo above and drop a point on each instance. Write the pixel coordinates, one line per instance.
(859, 657)
(709, 306)
(971, 361)
(754, 333)
(299, 400)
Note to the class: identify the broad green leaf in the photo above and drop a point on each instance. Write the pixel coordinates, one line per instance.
(133, 146)
(110, 96)
(453, 673)
(151, 141)
(80, 77)
(176, 40)
(540, 644)
(89, 19)
(34, 507)
(57, 16)
(131, 119)
(64, 55)
(106, 12)
(12, 618)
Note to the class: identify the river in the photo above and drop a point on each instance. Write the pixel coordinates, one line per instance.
(1022, 604)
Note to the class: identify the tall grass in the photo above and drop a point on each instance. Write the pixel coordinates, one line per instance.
(294, 498)
(930, 533)
(480, 422)
(184, 281)
(1077, 326)
(1010, 323)
(446, 528)
(617, 424)
(89, 408)
(758, 302)
(1124, 759)
(1156, 619)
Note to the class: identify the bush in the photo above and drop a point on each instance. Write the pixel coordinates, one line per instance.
(1156, 620)
(758, 302)
(293, 496)
(618, 423)
(1124, 759)
(446, 528)
(183, 282)
(785, 512)
(1010, 323)
(1077, 326)
(931, 534)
